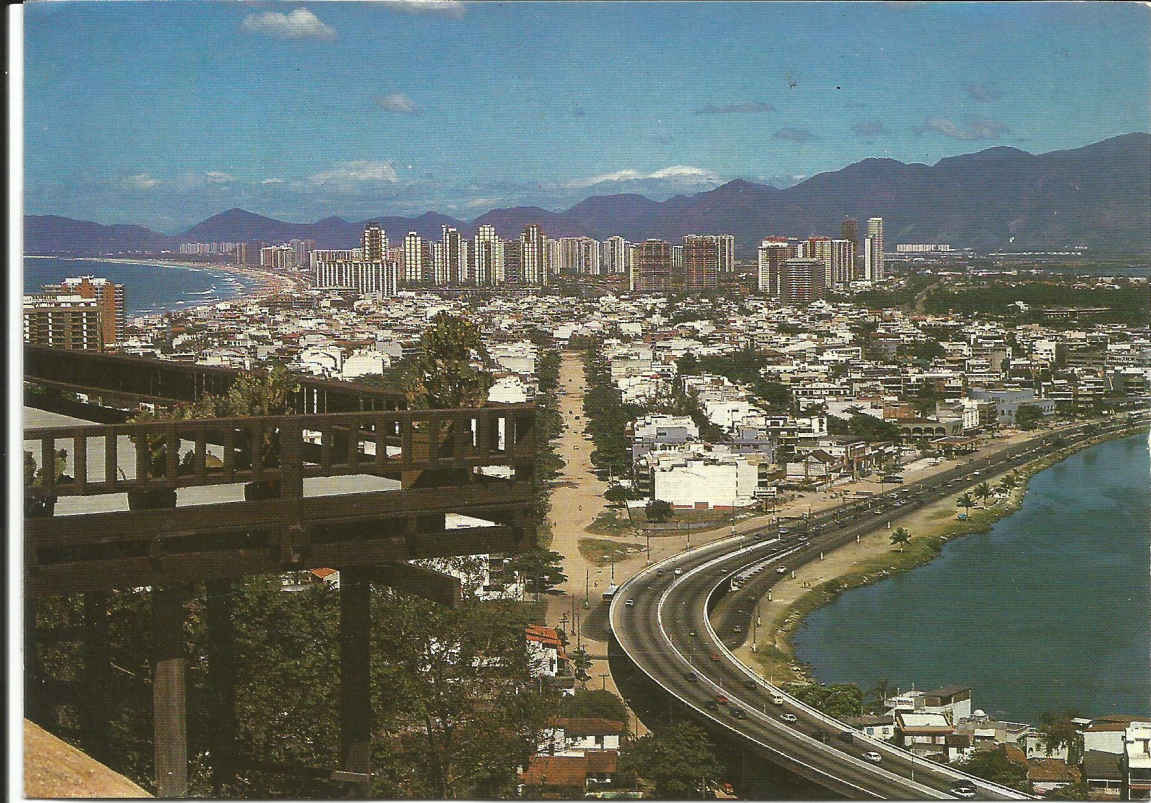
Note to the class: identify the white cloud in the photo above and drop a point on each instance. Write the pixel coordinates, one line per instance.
(347, 174)
(296, 24)
(449, 8)
(972, 128)
(397, 102)
(218, 177)
(686, 172)
(139, 181)
(272, 181)
(475, 202)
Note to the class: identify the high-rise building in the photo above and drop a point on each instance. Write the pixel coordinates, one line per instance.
(838, 257)
(374, 242)
(875, 249)
(278, 257)
(772, 253)
(613, 254)
(535, 266)
(63, 322)
(849, 230)
(451, 258)
(513, 271)
(303, 249)
(108, 296)
(363, 276)
(726, 245)
(417, 259)
(487, 257)
(801, 281)
(651, 268)
(701, 257)
(334, 255)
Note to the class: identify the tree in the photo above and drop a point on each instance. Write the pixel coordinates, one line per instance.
(836, 700)
(1058, 730)
(542, 569)
(687, 365)
(598, 703)
(879, 693)
(995, 766)
(443, 375)
(965, 502)
(901, 536)
(925, 401)
(581, 663)
(659, 510)
(1027, 416)
(982, 491)
(617, 494)
(1074, 791)
(678, 759)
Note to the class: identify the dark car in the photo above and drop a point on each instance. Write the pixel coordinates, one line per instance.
(738, 713)
(692, 676)
(711, 705)
(713, 655)
(751, 684)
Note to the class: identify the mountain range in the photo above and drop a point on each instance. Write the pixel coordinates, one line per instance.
(1098, 195)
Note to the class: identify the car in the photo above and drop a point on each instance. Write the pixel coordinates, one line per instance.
(630, 603)
(678, 572)
(691, 633)
(783, 531)
(737, 628)
(751, 684)
(963, 789)
(781, 570)
(872, 756)
(713, 655)
(692, 676)
(721, 699)
(777, 700)
(738, 713)
(711, 705)
(788, 718)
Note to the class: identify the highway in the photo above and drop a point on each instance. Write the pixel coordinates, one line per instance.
(660, 619)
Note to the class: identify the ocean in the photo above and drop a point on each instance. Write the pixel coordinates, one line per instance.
(1049, 611)
(147, 288)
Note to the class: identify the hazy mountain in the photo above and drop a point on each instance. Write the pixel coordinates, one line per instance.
(1099, 194)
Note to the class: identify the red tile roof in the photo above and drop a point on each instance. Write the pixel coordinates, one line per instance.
(590, 726)
(555, 771)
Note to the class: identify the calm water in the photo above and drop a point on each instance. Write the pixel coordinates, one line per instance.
(147, 288)
(1050, 610)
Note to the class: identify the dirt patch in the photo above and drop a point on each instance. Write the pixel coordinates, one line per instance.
(54, 769)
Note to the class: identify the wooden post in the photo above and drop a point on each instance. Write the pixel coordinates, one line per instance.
(169, 697)
(355, 678)
(35, 708)
(96, 675)
(222, 674)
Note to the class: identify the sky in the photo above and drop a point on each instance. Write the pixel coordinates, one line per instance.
(164, 113)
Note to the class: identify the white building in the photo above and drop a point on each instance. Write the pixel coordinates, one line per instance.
(704, 483)
(365, 361)
(873, 269)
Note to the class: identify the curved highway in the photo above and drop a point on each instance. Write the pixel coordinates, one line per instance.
(660, 619)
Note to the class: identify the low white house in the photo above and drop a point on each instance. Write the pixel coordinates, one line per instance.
(365, 361)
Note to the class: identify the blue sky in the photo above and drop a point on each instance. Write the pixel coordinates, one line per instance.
(164, 113)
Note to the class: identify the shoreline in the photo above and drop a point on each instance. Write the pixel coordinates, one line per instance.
(873, 559)
(268, 283)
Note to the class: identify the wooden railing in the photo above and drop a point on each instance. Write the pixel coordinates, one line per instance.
(279, 448)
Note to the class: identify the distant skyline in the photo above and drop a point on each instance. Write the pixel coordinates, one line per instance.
(165, 113)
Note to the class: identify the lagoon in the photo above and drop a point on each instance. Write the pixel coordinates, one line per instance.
(1048, 611)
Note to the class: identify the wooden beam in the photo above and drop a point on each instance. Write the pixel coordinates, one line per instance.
(169, 693)
(355, 674)
(222, 677)
(97, 665)
(443, 589)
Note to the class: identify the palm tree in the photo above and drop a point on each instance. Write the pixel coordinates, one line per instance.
(901, 536)
(965, 502)
(879, 694)
(982, 490)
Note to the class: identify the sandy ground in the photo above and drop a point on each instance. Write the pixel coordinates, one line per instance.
(54, 769)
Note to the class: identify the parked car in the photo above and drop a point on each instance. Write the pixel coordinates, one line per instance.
(678, 572)
(738, 713)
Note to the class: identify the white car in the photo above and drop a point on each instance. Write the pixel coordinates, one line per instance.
(963, 789)
(630, 603)
(678, 572)
(872, 756)
(777, 700)
(788, 718)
